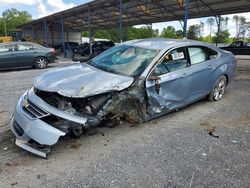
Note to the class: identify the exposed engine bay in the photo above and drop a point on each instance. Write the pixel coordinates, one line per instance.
(102, 109)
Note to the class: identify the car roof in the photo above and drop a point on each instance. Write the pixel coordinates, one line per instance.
(159, 43)
(18, 42)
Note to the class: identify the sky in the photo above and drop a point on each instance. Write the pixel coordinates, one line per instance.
(41, 8)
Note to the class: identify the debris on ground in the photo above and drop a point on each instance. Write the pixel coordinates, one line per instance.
(211, 129)
(234, 141)
(204, 154)
(13, 184)
(39, 176)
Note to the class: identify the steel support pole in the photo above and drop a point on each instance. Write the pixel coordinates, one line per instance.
(62, 36)
(90, 32)
(52, 37)
(121, 12)
(45, 33)
(185, 20)
(33, 33)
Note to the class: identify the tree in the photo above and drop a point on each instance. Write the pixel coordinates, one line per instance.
(224, 23)
(236, 19)
(202, 28)
(194, 32)
(222, 38)
(13, 18)
(169, 32)
(179, 34)
(242, 27)
(210, 23)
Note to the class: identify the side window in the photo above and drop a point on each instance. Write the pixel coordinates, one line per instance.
(2, 48)
(199, 54)
(174, 60)
(7, 48)
(236, 44)
(24, 47)
(211, 54)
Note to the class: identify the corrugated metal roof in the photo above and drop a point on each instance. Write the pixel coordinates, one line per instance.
(106, 13)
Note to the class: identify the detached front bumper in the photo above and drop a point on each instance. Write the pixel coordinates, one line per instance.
(28, 126)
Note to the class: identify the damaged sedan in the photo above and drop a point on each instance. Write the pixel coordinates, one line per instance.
(135, 81)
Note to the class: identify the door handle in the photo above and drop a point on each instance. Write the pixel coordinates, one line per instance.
(210, 67)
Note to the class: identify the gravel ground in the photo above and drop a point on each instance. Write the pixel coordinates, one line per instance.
(172, 151)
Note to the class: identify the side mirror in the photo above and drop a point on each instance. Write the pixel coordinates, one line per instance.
(154, 78)
(156, 83)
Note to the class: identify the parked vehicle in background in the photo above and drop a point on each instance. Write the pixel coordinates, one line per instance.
(82, 49)
(238, 48)
(25, 54)
(97, 48)
(135, 81)
(68, 46)
(5, 39)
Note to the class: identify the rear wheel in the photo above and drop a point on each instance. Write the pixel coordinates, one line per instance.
(41, 62)
(218, 89)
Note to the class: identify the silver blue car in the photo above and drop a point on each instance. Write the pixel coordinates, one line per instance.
(135, 81)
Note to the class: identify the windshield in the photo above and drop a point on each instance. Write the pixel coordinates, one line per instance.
(124, 59)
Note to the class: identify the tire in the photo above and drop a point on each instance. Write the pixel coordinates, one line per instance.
(41, 63)
(218, 90)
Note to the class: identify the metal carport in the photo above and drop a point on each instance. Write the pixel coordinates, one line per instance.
(104, 14)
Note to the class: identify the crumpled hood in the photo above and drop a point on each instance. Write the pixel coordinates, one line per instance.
(81, 80)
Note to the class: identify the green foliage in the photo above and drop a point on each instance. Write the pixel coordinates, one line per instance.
(129, 33)
(13, 18)
(169, 32)
(194, 32)
(138, 33)
(223, 37)
(207, 39)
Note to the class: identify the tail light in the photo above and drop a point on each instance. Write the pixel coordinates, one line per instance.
(53, 51)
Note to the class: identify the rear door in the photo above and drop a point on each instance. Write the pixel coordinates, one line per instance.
(202, 61)
(8, 56)
(168, 84)
(26, 54)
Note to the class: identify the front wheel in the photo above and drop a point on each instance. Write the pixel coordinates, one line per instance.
(41, 62)
(218, 89)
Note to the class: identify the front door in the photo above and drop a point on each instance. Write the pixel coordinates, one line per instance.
(168, 84)
(8, 56)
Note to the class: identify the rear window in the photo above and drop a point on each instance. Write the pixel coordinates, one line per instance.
(24, 47)
(199, 54)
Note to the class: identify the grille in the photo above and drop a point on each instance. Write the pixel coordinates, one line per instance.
(34, 111)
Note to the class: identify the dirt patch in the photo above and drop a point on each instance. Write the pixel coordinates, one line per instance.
(75, 144)
(209, 128)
